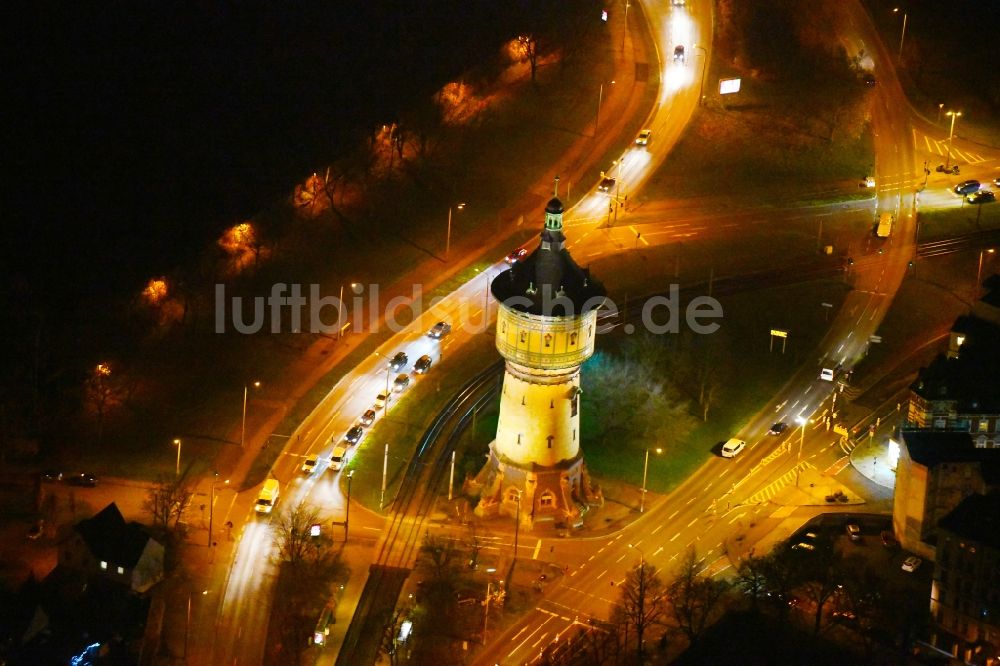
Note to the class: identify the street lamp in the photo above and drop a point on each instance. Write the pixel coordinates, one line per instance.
(243, 428)
(979, 271)
(951, 133)
(447, 245)
(704, 71)
(177, 468)
(211, 507)
(347, 514)
(645, 469)
(940, 109)
(902, 36)
(600, 96)
(340, 314)
(642, 556)
(385, 472)
(625, 26)
(802, 436)
(388, 372)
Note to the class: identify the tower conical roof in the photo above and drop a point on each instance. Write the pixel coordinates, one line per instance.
(548, 282)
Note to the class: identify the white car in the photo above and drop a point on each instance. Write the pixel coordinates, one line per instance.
(911, 564)
(731, 448)
(643, 138)
(340, 457)
(309, 465)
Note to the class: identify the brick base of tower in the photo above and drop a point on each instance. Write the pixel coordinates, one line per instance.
(561, 493)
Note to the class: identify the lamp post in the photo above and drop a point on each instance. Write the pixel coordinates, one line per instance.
(447, 244)
(979, 270)
(243, 428)
(385, 471)
(704, 71)
(940, 109)
(347, 514)
(802, 437)
(645, 469)
(600, 97)
(340, 316)
(642, 556)
(625, 26)
(177, 467)
(902, 36)
(211, 507)
(951, 133)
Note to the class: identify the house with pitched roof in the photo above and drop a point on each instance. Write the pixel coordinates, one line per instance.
(107, 546)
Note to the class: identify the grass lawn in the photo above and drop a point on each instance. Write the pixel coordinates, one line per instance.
(406, 423)
(948, 222)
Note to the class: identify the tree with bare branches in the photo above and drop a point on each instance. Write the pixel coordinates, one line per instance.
(696, 599)
(642, 603)
(168, 499)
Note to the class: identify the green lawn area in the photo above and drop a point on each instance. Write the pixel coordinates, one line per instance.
(948, 222)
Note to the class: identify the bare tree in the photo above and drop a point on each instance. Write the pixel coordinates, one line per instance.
(441, 553)
(642, 602)
(696, 599)
(822, 570)
(293, 535)
(751, 577)
(169, 498)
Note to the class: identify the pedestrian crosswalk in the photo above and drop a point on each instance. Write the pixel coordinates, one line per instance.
(934, 146)
(773, 488)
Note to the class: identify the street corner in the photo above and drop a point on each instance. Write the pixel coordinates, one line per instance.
(816, 488)
(876, 461)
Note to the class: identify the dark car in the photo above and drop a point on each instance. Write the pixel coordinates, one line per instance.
(778, 428)
(868, 78)
(679, 53)
(440, 329)
(399, 362)
(82, 479)
(423, 364)
(607, 183)
(981, 197)
(354, 434)
(401, 382)
(967, 187)
(368, 417)
(51, 476)
(516, 256)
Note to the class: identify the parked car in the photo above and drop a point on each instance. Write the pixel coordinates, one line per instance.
(643, 138)
(804, 545)
(37, 529)
(888, 540)
(981, 197)
(354, 434)
(368, 417)
(854, 531)
(967, 187)
(398, 362)
(731, 448)
(911, 564)
(380, 401)
(607, 184)
(309, 465)
(51, 476)
(778, 428)
(679, 53)
(82, 479)
(516, 256)
(400, 383)
(423, 364)
(440, 329)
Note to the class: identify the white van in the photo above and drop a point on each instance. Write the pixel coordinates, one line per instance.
(884, 225)
(268, 497)
(731, 448)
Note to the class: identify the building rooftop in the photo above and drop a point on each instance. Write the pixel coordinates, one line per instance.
(970, 379)
(111, 539)
(931, 448)
(976, 518)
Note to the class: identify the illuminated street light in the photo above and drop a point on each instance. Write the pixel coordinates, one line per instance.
(600, 97)
(243, 429)
(704, 71)
(642, 556)
(902, 36)
(951, 133)
(447, 245)
(177, 469)
(802, 436)
(645, 469)
(340, 313)
(979, 271)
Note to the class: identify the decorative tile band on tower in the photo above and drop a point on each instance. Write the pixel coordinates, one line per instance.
(546, 328)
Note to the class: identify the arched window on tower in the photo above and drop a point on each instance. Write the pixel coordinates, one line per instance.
(572, 339)
(503, 327)
(548, 339)
(513, 495)
(547, 500)
(524, 337)
(550, 438)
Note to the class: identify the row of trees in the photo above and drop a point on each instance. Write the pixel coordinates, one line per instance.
(823, 584)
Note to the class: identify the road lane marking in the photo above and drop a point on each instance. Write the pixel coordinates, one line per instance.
(671, 516)
(601, 575)
(538, 547)
(674, 537)
(658, 528)
(693, 521)
(620, 558)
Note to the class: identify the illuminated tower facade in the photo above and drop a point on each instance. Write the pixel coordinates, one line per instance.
(546, 328)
